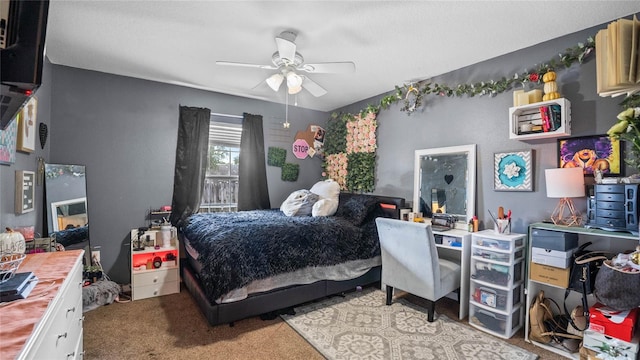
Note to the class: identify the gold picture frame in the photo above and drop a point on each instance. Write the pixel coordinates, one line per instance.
(27, 126)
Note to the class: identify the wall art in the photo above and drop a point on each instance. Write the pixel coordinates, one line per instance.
(27, 133)
(25, 191)
(513, 171)
(8, 143)
(590, 153)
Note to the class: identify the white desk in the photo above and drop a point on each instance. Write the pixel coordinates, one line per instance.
(462, 255)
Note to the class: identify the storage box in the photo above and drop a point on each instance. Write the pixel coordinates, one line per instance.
(556, 258)
(553, 240)
(618, 324)
(602, 343)
(549, 274)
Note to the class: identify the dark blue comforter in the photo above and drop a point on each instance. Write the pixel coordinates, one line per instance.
(237, 248)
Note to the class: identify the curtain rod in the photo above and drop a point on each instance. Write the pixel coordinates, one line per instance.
(228, 115)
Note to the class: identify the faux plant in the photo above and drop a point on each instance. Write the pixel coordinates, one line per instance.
(276, 156)
(361, 171)
(290, 172)
(628, 128)
(335, 139)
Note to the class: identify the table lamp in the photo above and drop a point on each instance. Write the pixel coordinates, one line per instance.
(565, 183)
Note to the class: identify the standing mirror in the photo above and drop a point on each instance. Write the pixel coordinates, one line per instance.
(66, 197)
(445, 182)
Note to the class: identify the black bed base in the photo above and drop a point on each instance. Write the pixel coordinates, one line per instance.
(273, 300)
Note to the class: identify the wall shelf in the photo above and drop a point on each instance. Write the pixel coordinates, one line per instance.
(529, 115)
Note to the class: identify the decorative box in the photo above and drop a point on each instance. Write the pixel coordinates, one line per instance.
(615, 348)
(618, 324)
(550, 275)
(556, 258)
(553, 240)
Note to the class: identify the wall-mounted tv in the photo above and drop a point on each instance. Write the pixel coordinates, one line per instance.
(23, 26)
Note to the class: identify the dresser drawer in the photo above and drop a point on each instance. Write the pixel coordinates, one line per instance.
(610, 205)
(155, 277)
(610, 197)
(159, 289)
(612, 223)
(609, 188)
(613, 214)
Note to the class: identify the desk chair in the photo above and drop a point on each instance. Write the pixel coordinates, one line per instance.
(410, 262)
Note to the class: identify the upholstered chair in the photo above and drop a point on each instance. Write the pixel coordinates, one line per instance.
(410, 262)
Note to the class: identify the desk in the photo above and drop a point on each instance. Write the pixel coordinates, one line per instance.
(461, 255)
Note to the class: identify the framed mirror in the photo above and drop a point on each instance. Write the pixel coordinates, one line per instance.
(66, 197)
(445, 182)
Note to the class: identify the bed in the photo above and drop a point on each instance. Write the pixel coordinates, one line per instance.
(252, 263)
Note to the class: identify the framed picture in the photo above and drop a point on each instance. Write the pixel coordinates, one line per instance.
(8, 143)
(513, 171)
(591, 152)
(25, 191)
(27, 126)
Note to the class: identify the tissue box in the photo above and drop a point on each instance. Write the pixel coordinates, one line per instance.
(618, 324)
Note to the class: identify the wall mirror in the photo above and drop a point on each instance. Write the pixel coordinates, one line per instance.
(66, 197)
(445, 182)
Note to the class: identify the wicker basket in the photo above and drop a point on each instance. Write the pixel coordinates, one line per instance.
(9, 263)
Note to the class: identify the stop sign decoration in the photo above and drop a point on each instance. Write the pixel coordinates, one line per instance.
(300, 148)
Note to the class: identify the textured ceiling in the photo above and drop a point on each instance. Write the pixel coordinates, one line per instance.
(390, 42)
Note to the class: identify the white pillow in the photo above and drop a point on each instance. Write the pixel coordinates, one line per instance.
(329, 190)
(324, 207)
(299, 203)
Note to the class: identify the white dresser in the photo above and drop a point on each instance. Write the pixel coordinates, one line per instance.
(48, 324)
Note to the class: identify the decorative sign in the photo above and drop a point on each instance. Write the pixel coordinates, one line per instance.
(25, 191)
(314, 138)
(300, 148)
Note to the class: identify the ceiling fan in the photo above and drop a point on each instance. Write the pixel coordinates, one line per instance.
(290, 64)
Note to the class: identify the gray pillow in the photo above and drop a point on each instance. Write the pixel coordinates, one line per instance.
(299, 203)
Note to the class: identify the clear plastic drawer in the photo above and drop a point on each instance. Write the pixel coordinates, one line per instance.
(494, 297)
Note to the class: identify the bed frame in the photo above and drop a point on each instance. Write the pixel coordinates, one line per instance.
(278, 299)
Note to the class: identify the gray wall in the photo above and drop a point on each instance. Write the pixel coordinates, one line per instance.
(124, 130)
(26, 161)
(484, 121)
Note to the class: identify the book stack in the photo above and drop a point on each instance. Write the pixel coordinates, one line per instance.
(617, 60)
(541, 119)
(18, 287)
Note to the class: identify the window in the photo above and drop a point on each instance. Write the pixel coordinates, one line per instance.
(220, 191)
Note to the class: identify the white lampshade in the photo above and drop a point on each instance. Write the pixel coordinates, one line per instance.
(294, 90)
(565, 182)
(294, 80)
(274, 81)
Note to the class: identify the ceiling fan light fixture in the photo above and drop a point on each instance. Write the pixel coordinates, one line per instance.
(274, 81)
(294, 90)
(293, 81)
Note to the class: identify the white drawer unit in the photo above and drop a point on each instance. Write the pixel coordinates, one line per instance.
(58, 333)
(497, 282)
(155, 269)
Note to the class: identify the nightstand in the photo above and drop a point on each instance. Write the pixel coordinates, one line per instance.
(155, 270)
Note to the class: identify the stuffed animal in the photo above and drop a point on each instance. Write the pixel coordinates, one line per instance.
(329, 192)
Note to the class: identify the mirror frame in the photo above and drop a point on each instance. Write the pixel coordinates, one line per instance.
(54, 209)
(470, 150)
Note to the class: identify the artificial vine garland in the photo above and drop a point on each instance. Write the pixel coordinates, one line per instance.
(412, 95)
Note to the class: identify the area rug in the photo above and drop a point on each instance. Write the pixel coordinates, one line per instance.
(361, 326)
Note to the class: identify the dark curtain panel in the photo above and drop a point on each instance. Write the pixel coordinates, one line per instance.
(252, 172)
(191, 163)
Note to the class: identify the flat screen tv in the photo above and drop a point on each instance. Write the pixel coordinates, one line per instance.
(23, 26)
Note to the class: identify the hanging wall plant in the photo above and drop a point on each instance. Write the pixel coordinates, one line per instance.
(276, 156)
(361, 172)
(290, 172)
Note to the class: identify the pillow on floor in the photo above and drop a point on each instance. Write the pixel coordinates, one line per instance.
(299, 203)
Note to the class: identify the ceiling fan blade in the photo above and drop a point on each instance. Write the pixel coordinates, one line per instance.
(312, 87)
(329, 67)
(286, 46)
(229, 63)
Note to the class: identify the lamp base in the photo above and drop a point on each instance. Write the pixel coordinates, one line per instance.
(558, 217)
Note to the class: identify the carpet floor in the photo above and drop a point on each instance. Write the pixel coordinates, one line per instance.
(172, 327)
(360, 326)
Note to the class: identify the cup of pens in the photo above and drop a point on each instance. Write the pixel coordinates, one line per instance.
(503, 226)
